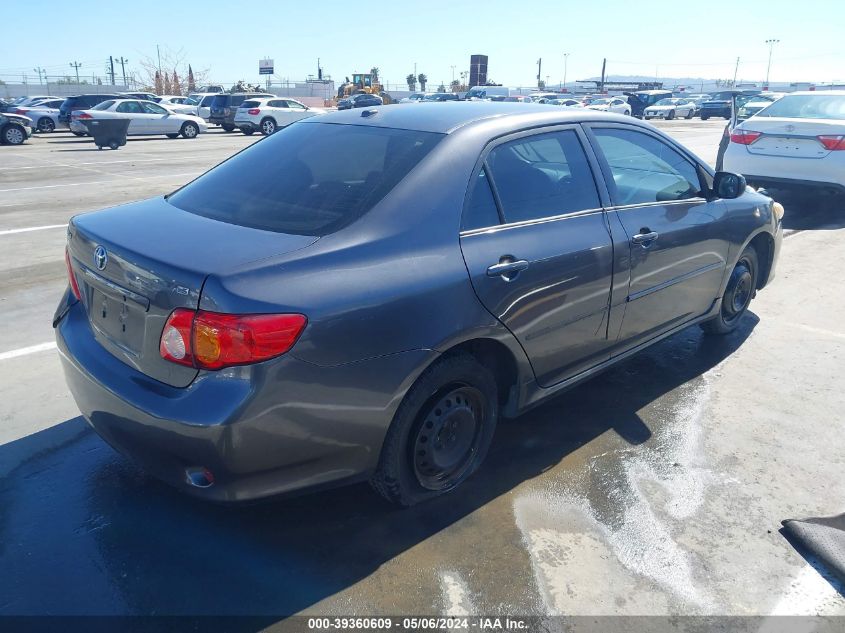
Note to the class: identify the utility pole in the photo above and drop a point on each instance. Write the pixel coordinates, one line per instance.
(122, 63)
(75, 66)
(565, 61)
(771, 44)
(736, 70)
(40, 71)
(111, 69)
(539, 71)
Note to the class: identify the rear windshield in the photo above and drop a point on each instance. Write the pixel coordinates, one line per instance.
(807, 107)
(220, 101)
(307, 179)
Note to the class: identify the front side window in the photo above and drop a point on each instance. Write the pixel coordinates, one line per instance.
(645, 169)
(310, 179)
(152, 108)
(542, 176)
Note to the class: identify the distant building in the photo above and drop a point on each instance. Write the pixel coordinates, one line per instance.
(478, 70)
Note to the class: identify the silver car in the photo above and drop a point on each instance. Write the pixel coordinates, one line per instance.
(145, 118)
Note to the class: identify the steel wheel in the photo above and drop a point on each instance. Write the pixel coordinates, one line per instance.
(268, 126)
(447, 437)
(14, 135)
(739, 291)
(190, 130)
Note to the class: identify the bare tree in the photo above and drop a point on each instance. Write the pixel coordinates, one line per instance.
(170, 61)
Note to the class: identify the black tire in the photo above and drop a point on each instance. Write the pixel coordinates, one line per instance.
(172, 135)
(13, 134)
(113, 145)
(189, 130)
(78, 133)
(45, 124)
(268, 126)
(249, 131)
(448, 415)
(690, 114)
(741, 287)
(671, 115)
(704, 117)
(227, 128)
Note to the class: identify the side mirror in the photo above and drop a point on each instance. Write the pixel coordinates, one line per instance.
(727, 185)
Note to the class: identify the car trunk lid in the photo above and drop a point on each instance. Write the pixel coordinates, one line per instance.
(793, 138)
(137, 263)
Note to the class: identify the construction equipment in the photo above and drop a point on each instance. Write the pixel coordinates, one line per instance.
(363, 83)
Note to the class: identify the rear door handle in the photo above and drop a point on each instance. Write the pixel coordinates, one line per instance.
(645, 238)
(505, 268)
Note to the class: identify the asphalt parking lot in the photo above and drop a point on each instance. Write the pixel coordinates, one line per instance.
(656, 488)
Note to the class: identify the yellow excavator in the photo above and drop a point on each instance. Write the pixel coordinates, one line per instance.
(363, 83)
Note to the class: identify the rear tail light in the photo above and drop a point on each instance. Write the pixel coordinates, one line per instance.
(74, 287)
(81, 115)
(744, 137)
(21, 111)
(832, 142)
(253, 111)
(211, 340)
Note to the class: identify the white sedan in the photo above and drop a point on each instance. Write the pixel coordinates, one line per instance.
(670, 108)
(145, 118)
(611, 104)
(798, 140)
(268, 114)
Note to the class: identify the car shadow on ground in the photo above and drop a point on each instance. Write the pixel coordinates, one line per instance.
(807, 211)
(82, 531)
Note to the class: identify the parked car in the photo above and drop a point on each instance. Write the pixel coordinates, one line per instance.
(22, 102)
(747, 107)
(719, 104)
(269, 115)
(145, 118)
(611, 104)
(482, 93)
(698, 100)
(797, 141)
(44, 114)
(15, 129)
(203, 105)
(370, 318)
(441, 96)
(362, 100)
(176, 103)
(571, 103)
(670, 108)
(641, 99)
(414, 97)
(81, 102)
(146, 96)
(517, 99)
(224, 105)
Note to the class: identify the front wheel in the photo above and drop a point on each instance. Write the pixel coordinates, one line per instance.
(690, 114)
(738, 294)
(440, 433)
(189, 130)
(13, 134)
(671, 115)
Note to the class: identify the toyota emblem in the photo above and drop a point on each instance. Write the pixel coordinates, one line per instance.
(101, 257)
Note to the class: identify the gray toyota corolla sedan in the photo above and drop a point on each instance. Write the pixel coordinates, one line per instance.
(362, 295)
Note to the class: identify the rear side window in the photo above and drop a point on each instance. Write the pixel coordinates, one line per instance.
(310, 179)
(104, 105)
(646, 169)
(542, 176)
(250, 104)
(481, 210)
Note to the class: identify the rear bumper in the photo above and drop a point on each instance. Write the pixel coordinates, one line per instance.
(787, 172)
(710, 112)
(269, 429)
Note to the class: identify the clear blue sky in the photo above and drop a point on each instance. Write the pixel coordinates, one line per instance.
(672, 39)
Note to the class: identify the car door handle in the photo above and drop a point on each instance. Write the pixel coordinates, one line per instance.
(645, 238)
(507, 267)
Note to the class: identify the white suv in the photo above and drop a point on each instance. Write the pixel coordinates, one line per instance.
(268, 114)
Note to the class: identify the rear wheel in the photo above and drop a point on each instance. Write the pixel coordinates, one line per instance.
(78, 133)
(248, 130)
(189, 130)
(704, 117)
(45, 124)
(441, 432)
(227, 128)
(13, 134)
(738, 294)
(268, 126)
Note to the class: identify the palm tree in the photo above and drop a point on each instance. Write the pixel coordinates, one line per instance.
(423, 80)
(412, 82)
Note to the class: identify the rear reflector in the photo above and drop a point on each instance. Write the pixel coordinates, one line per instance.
(74, 287)
(832, 142)
(253, 111)
(211, 340)
(744, 137)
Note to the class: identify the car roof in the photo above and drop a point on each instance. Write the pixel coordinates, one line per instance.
(449, 116)
(833, 93)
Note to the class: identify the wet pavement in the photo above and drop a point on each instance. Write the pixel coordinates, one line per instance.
(654, 488)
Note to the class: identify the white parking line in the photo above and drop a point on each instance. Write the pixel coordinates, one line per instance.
(103, 182)
(32, 228)
(23, 351)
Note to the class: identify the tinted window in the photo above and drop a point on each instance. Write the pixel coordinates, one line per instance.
(807, 107)
(105, 105)
(153, 108)
(543, 175)
(250, 104)
(646, 169)
(307, 179)
(277, 103)
(294, 105)
(131, 107)
(206, 101)
(481, 207)
(220, 101)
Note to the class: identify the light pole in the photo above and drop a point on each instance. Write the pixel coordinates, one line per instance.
(771, 44)
(565, 61)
